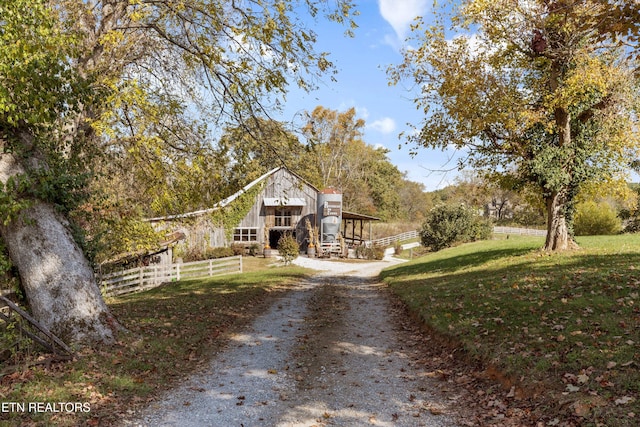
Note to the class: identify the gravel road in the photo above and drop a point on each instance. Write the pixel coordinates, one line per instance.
(329, 352)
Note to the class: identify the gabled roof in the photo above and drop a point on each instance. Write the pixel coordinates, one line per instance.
(229, 199)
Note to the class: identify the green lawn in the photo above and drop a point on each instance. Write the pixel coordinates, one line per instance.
(567, 324)
(172, 331)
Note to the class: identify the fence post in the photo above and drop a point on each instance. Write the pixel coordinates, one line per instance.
(240, 263)
(178, 272)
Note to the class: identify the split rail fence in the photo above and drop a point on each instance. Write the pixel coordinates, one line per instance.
(143, 278)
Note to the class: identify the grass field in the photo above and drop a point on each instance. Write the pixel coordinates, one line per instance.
(566, 327)
(172, 331)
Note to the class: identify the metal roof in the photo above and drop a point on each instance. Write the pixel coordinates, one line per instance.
(357, 216)
(219, 205)
(284, 201)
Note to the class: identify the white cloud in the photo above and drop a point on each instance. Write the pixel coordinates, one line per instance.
(401, 13)
(362, 112)
(386, 125)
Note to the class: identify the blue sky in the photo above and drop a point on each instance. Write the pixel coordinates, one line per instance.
(362, 83)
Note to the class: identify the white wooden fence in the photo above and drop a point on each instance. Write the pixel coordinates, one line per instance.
(143, 278)
(386, 241)
(520, 231)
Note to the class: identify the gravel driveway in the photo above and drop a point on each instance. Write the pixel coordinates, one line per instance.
(330, 352)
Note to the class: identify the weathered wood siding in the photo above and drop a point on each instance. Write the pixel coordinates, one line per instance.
(281, 184)
(202, 234)
(284, 185)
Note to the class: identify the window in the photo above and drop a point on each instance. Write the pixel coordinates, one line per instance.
(245, 234)
(283, 218)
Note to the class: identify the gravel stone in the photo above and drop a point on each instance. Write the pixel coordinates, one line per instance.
(329, 352)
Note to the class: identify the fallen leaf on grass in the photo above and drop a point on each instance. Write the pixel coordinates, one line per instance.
(624, 400)
(582, 409)
(572, 388)
(583, 379)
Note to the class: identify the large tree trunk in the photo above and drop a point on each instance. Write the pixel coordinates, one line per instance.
(58, 281)
(558, 237)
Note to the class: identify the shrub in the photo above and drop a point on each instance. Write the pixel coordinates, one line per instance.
(632, 225)
(596, 219)
(189, 254)
(447, 225)
(397, 248)
(196, 254)
(361, 251)
(288, 248)
(219, 252)
(254, 249)
(375, 252)
(238, 249)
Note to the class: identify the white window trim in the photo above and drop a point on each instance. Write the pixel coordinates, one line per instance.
(250, 232)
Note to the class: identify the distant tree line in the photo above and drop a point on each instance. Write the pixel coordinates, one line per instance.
(602, 209)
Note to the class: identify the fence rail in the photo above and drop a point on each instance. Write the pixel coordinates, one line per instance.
(521, 231)
(386, 241)
(143, 278)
